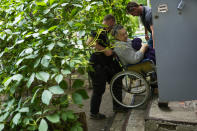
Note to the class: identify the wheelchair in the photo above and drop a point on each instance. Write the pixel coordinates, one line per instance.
(136, 80)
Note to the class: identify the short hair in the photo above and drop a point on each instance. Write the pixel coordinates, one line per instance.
(130, 6)
(109, 17)
(115, 29)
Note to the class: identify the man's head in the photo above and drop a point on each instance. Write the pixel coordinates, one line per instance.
(109, 21)
(120, 33)
(134, 9)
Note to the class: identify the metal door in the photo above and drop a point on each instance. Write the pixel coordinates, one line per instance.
(175, 30)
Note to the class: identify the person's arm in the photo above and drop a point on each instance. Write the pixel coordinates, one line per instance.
(98, 47)
(146, 34)
(143, 48)
(152, 30)
(107, 52)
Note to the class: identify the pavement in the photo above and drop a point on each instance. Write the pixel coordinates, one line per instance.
(180, 116)
(133, 120)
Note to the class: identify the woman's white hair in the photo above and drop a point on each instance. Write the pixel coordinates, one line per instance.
(115, 30)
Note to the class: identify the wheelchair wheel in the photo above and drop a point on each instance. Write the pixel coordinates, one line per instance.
(134, 89)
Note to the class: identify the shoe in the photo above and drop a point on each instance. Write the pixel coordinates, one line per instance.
(97, 116)
(121, 109)
(163, 104)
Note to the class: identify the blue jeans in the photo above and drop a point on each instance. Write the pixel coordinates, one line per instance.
(150, 41)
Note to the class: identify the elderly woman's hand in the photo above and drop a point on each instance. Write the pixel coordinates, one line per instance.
(144, 48)
(145, 45)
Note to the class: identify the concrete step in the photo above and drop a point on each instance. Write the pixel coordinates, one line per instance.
(180, 116)
(133, 120)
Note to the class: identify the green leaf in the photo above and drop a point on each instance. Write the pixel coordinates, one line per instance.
(67, 115)
(31, 56)
(17, 19)
(64, 4)
(31, 79)
(24, 109)
(43, 125)
(41, 3)
(60, 44)
(46, 97)
(4, 116)
(77, 98)
(63, 84)
(52, 28)
(50, 47)
(37, 63)
(45, 60)
(17, 77)
(1, 54)
(2, 35)
(79, 42)
(83, 93)
(44, 20)
(56, 90)
(70, 23)
(77, 83)
(34, 96)
(46, 11)
(55, 118)
(65, 32)
(72, 64)
(77, 5)
(76, 128)
(81, 33)
(51, 1)
(35, 35)
(88, 8)
(45, 32)
(7, 81)
(43, 76)
(8, 31)
(19, 61)
(16, 118)
(38, 113)
(59, 78)
(70, 115)
(54, 5)
(32, 128)
(1, 127)
(20, 41)
(27, 120)
(64, 116)
(66, 72)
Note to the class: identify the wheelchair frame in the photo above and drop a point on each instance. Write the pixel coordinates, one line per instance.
(141, 72)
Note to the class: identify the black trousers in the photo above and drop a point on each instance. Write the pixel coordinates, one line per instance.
(100, 76)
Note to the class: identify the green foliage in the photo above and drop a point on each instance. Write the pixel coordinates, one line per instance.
(42, 42)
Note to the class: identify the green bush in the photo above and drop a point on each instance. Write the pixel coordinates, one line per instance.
(42, 43)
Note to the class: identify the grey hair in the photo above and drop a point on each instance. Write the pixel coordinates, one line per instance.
(115, 29)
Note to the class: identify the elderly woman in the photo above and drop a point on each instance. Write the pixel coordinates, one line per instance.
(123, 47)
